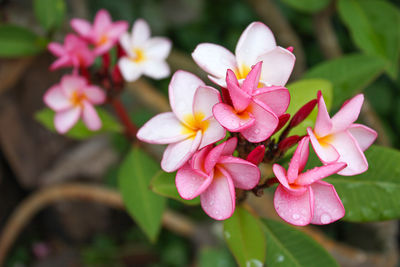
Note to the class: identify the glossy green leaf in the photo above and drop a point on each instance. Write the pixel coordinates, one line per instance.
(349, 74)
(245, 238)
(211, 257)
(145, 207)
(375, 194)
(16, 41)
(308, 6)
(288, 246)
(80, 131)
(49, 13)
(374, 26)
(163, 184)
(302, 92)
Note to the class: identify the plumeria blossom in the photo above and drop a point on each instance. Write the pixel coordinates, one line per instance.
(73, 53)
(103, 34)
(257, 43)
(73, 98)
(255, 111)
(213, 173)
(190, 126)
(302, 198)
(144, 55)
(339, 138)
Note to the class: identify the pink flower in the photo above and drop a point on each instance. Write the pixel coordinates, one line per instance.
(213, 173)
(103, 34)
(257, 43)
(339, 138)
(255, 111)
(144, 55)
(73, 53)
(302, 198)
(74, 98)
(190, 126)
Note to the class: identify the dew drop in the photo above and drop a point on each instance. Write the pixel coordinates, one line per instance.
(325, 218)
(280, 258)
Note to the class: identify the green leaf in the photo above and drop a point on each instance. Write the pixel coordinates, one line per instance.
(145, 207)
(16, 41)
(302, 92)
(49, 13)
(288, 246)
(308, 6)
(163, 184)
(215, 257)
(80, 131)
(374, 194)
(374, 26)
(245, 238)
(349, 74)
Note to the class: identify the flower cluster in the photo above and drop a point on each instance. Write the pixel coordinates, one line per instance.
(252, 107)
(137, 54)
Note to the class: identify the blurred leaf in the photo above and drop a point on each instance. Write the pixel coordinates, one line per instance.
(308, 6)
(215, 258)
(163, 183)
(288, 246)
(80, 131)
(49, 13)
(374, 26)
(16, 41)
(142, 204)
(245, 238)
(374, 194)
(349, 74)
(302, 92)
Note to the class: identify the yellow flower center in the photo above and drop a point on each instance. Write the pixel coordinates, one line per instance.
(77, 98)
(195, 123)
(242, 71)
(139, 55)
(103, 39)
(324, 141)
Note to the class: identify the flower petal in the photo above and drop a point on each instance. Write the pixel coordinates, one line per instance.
(299, 160)
(64, 120)
(182, 88)
(214, 59)
(82, 27)
(264, 125)
(177, 154)
(218, 200)
(327, 205)
(280, 174)
(256, 40)
(198, 159)
(294, 209)
(205, 98)
(277, 66)
(156, 69)
(240, 99)
(191, 182)
(323, 124)
(90, 117)
(56, 99)
(229, 119)
(117, 29)
(245, 175)
(325, 152)
(158, 48)
(350, 153)
(347, 114)
(318, 173)
(72, 83)
(56, 49)
(252, 79)
(125, 42)
(214, 133)
(256, 156)
(102, 21)
(129, 69)
(164, 128)
(140, 32)
(95, 95)
(230, 146)
(64, 61)
(364, 135)
(277, 98)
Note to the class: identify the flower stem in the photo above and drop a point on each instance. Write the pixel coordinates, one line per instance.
(259, 189)
(130, 128)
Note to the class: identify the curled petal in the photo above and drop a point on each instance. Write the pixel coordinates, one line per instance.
(240, 98)
(64, 120)
(323, 124)
(177, 154)
(277, 98)
(327, 205)
(191, 182)
(294, 209)
(318, 173)
(365, 136)
(245, 175)
(347, 114)
(252, 79)
(232, 121)
(299, 160)
(218, 200)
(277, 67)
(90, 117)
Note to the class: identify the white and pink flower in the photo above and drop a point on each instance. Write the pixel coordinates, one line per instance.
(302, 198)
(190, 126)
(144, 55)
(213, 173)
(339, 138)
(72, 99)
(254, 111)
(103, 34)
(257, 43)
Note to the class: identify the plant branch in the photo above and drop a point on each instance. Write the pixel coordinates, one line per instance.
(130, 128)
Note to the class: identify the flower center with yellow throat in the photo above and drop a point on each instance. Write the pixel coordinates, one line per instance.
(242, 72)
(77, 98)
(195, 123)
(324, 141)
(139, 55)
(103, 39)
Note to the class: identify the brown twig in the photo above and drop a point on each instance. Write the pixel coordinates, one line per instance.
(23, 214)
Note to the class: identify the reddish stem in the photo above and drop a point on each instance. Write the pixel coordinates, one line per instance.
(130, 128)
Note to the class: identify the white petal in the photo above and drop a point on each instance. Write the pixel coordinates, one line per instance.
(204, 100)
(214, 133)
(158, 48)
(156, 69)
(129, 69)
(140, 32)
(365, 136)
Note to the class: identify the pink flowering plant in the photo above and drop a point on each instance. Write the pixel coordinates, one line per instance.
(245, 134)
